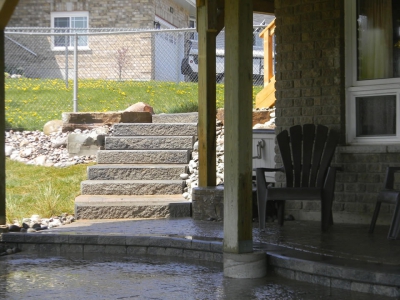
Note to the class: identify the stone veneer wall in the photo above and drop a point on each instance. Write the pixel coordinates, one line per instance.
(310, 89)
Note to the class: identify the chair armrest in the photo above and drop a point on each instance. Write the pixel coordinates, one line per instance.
(330, 179)
(336, 169)
(389, 180)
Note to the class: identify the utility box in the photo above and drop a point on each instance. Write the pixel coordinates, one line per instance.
(264, 151)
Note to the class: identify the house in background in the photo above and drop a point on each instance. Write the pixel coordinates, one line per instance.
(103, 14)
(138, 56)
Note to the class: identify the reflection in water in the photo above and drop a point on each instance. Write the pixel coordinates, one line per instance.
(26, 276)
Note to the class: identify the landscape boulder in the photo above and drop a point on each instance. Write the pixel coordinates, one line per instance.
(140, 107)
(52, 126)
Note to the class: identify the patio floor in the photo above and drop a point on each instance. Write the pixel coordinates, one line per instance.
(346, 256)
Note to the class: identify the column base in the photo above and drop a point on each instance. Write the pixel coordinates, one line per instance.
(245, 265)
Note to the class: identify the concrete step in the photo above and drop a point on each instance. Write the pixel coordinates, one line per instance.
(148, 129)
(143, 156)
(192, 117)
(136, 172)
(131, 207)
(149, 142)
(132, 187)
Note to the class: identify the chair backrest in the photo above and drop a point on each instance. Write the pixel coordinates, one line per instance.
(307, 152)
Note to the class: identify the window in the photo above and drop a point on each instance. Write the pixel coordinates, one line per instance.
(193, 35)
(373, 70)
(70, 22)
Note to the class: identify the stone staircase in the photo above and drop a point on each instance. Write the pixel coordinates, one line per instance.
(138, 173)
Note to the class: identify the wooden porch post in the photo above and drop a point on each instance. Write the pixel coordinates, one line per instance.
(2, 129)
(6, 10)
(207, 30)
(238, 126)
(239, 259)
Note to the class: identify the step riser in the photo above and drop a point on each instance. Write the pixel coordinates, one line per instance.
(149, 143)
(143, 157)
(134, 173)
(115, 211)
(127, 188)
(155, 129)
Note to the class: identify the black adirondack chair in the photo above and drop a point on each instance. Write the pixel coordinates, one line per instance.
(391, 196)
(306, 152)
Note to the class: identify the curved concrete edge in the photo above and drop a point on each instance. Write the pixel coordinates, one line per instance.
(288, 263)
(343, 276)
(245, 265)
(59, 244)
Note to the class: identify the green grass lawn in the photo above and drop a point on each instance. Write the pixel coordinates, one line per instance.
(30, 103)
(45, 191)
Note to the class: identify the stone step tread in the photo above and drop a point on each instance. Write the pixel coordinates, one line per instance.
(138, 181)
(131, 207)
(136, 171)
(143, 156)
(132, 187)
(148, 142)
(129, 200)
(183, 137)
(147, 151)
(155, 129)
(138, 166)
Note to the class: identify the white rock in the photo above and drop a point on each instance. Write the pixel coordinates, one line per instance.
(25, 153)
(8, 150)
(184, 176)
(40, 160)
(24, 143)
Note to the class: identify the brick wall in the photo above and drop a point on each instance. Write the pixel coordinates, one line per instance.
(99, 61)
(310, 89)
(104, 13)
(179, 17)
(309, 77)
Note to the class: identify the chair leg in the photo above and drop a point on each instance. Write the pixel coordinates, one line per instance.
(394, 230)
(375, 216)
(326, 211)
(261, 198)
(281, 212)
(325, 214)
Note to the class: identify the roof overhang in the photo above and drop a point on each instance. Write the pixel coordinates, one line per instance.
(189, 5)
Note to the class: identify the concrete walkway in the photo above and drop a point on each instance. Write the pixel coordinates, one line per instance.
(346, 257)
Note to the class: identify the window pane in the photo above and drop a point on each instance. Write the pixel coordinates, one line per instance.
(59, 40)
(61, 22)
(79, 22)
(378, 42)
(376, 115)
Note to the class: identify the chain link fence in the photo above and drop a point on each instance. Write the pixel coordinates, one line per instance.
(54, 70)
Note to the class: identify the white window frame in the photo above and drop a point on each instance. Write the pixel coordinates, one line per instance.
(363, 88)
(69, 15)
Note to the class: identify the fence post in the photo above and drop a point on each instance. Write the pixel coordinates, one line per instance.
(66, 60)
(180, 49)
(75, 72)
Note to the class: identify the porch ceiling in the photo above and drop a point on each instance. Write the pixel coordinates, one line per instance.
(6, 10)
